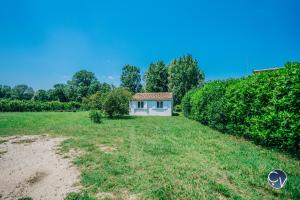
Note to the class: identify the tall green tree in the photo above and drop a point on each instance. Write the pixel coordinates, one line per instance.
(97, 87)
(5, 91)
(80, 84)
(105, 88)
(83, 78)
(41, 95)
(156, 78)
(184, 74)
(94, 87)
(22, 92)
(58, 93)
(131, 78)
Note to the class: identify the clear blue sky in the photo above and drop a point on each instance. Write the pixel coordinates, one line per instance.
(45, 42)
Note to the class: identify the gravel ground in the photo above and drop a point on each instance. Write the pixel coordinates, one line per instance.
(30, 167)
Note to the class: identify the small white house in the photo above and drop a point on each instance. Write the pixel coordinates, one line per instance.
(151, 104)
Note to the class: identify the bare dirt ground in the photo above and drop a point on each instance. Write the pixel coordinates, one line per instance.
(31, 167)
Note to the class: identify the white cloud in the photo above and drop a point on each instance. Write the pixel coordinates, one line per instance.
(110, 77)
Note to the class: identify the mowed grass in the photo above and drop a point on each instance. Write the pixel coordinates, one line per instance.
(160, 157)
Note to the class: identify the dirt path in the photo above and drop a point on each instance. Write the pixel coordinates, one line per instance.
(30, 166)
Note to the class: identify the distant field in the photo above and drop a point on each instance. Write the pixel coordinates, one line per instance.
(160, 157)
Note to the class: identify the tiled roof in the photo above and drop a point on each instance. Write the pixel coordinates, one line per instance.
(153, 96)
(264, 70)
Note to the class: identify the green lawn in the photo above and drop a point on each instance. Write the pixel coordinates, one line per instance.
(161, 157)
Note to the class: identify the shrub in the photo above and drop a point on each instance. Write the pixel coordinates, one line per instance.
(186, 103)
(94, 101)
(262, 107)
(211, 109)
(78, 196)
(116, 103)
(178, 108)
(25, 198)
(8, 105)
(95, 116)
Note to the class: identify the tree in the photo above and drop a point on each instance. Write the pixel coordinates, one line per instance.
(83, 78)
(41, 95)
(184, 74)
(5, 91)
(22, 92)
(96, 86)
(80, 84)
(116, 103)
(131, 78)
(71, 92)
(105, 88)
(59, 93)
(156, 78)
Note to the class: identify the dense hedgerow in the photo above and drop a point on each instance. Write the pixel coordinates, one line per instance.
(263, 107)
(8, 105)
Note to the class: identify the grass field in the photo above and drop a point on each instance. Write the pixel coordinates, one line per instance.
(161, 157)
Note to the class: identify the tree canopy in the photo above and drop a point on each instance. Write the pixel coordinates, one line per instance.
(184, 74)
(5, 91)
(22, 92)
(156, 78)
(131, 78)
(41, 95)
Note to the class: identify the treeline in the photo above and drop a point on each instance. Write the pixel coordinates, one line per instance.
(83, 84)
(181, 75)
(263, 107)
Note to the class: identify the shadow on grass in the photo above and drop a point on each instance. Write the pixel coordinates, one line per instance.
(121, 117)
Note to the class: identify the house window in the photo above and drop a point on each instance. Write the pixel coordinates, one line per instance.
(159, 104)
(140, 104)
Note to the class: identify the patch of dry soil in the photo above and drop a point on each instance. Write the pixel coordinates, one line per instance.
(107, 149)
(30, 166)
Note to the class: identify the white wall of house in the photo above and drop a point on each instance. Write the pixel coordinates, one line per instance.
(150, 108)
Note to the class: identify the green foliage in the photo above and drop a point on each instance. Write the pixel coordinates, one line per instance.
(7, 105)
(22, 92)
(83, 78)
(116, 103)
(82, 83)
(263, 107)
(95, 116)
(156, 78)
(5, 91)
(78, 196)
(58, 93)
(96, 86)
(186, 103)
(94, 101)
(41, 95)
(178, 108)
(131, 78)
(184, 74)
(25, 198)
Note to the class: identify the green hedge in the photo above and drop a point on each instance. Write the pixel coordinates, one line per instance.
(8, 105)
(263, 107)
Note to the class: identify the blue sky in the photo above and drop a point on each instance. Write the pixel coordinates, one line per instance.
(46, 42)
